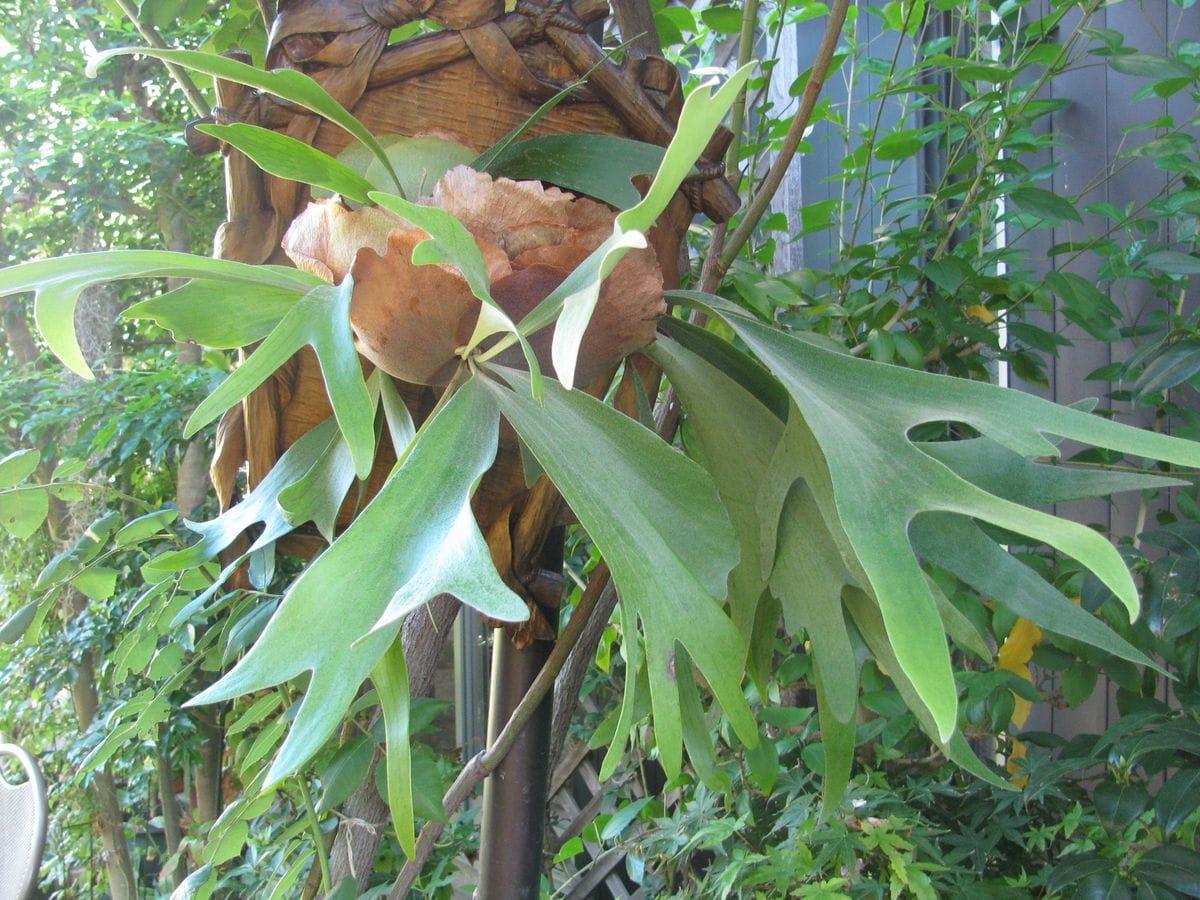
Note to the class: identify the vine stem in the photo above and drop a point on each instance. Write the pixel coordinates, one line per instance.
(318, 836)
(709, 274)
(484, 763)
(774, 178)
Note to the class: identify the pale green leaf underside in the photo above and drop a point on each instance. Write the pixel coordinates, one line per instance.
(657, 519)
(420, 162)
(321, 319)
(860, 414)
(324, 624)
(58, 283)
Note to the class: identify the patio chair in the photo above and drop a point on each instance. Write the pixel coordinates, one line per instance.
(23, 815)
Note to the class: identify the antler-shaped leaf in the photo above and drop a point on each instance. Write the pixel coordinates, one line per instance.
(860, 414)
(657, 519)
(321, 319)
(411, 534)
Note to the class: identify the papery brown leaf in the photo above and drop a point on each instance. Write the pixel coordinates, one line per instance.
(326, 236)
(406, 317)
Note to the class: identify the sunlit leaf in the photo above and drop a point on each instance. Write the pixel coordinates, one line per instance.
(23, 510)
(18, 466)
(215, 314)
(58, 282)
(96, 582)
(144, 527)
(285, 157)
(15, 626)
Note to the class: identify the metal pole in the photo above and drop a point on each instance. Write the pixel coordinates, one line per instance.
(515, 795)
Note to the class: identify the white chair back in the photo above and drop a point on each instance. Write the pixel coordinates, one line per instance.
(23, 817)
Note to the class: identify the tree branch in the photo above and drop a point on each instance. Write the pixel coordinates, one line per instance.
(151, 36)
(812, 91)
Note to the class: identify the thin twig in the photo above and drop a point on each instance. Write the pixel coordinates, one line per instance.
(484, 763)
(770, 185)
(151, 36)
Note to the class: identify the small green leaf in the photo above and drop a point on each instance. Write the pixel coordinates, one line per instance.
(22, 511)
(1172, 262)
(197, 886)
(144, 527)
(390, 677)
(1149, 65)
(1177, 799)
(345, 772)
(622, 818)
(1119, 804)
(949, 273)
(96, 582)
(216, 314)
(1171, 368)
(900, 145)
(13, 628)
(1045, 204)
(1078, 683)
(321, 319)
(18, 466)
(285, 157)
(1175, 866)
(258, 710)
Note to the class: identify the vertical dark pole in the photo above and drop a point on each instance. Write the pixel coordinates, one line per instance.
(514, 795)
